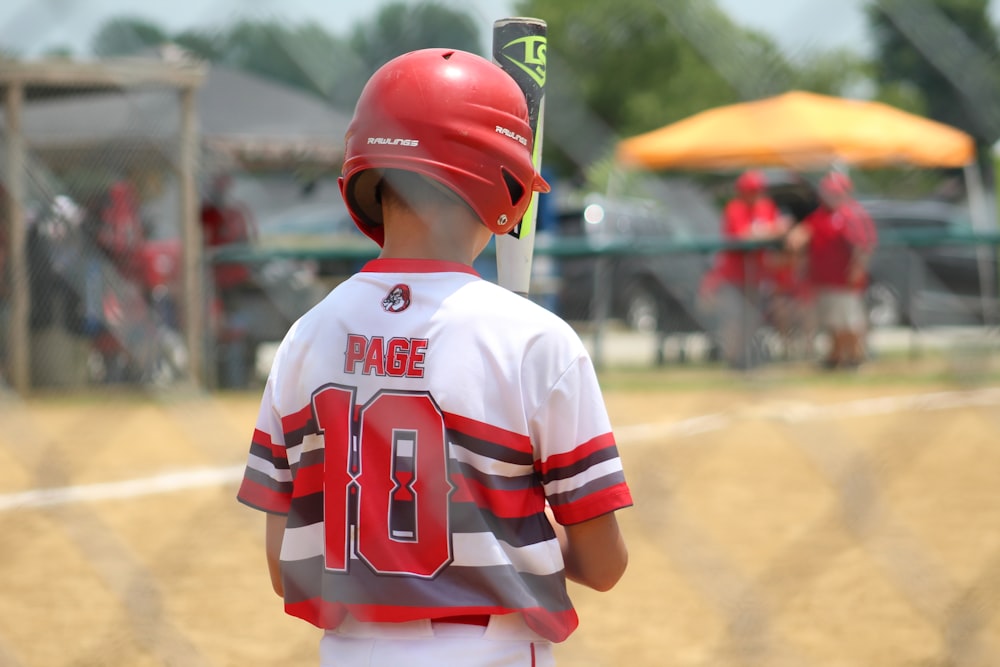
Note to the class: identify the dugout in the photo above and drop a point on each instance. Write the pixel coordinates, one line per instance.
(159, 118)
(175, 149)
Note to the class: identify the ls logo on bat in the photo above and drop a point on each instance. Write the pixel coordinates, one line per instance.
(528, 54)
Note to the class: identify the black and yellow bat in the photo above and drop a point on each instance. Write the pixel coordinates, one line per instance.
(519, 47)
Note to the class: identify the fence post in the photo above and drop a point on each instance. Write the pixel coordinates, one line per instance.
(601, 307)
(18, 344)
(194, 293)
(982, 221)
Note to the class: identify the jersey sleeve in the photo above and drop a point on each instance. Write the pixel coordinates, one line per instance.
(267, 479)
(575, 450)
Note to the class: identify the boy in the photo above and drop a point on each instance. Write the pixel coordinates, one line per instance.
(432, 450)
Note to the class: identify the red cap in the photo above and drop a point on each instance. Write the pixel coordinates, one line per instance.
(750, 183)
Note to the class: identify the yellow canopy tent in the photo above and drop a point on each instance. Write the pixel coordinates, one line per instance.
(799, 130)
(807, 131)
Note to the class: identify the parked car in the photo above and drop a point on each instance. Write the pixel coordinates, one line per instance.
(320, 232)
(918, 278)
(647, 291)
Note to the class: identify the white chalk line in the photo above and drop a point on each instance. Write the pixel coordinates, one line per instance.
(131, 488)
(789, 412)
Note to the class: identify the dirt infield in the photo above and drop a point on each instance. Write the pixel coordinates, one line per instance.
(840, 522)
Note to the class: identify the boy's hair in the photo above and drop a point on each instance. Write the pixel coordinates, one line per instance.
(413, 189)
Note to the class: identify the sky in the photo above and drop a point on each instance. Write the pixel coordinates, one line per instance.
(31, 26)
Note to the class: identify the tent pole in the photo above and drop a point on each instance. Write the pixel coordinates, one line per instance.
(982, 221)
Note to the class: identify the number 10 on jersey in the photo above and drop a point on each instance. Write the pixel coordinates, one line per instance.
(397, 474)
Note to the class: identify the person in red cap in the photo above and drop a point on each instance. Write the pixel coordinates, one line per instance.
(732, 288)
(838, 239)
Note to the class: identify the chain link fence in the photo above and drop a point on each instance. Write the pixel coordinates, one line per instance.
(782, 518)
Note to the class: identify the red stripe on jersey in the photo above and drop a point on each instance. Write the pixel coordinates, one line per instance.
(506, 504)
(263, 439)
(555, 626)
(371, 613)
(462, 494)
(297, 420)
(308, 480)
(594, 505)
(578, 454)
(322, 614)
(259, 496)
(481, 431)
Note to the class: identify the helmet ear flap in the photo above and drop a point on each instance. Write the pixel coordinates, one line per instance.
(517, 189)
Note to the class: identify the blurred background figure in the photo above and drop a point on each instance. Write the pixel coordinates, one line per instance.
(732, 289)
(121, 232)
(838, 239)
(225, 222)
(4, 284)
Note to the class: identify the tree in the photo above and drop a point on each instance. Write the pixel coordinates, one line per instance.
(948, 51)
(401, 27)
(838, 72)
(125, 36)
(622, 68)
(204, 45)
(58, 51)
(306, 56)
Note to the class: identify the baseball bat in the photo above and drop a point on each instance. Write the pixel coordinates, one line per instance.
(519, 46)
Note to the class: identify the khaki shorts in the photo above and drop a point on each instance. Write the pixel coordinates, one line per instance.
(841, 310)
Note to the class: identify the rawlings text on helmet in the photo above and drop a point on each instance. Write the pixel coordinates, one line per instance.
(513, 135)
(387, 141)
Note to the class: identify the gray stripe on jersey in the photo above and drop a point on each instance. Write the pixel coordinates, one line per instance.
(593, 487)
(498, 586)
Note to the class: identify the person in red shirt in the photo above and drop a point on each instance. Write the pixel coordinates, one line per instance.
(224, 221)
(732, 288)
(838, 239)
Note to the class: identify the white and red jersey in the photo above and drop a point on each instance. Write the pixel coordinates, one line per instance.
(414, 425)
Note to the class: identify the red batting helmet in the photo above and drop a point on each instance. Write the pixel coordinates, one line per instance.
(750, 183)
(453, 117)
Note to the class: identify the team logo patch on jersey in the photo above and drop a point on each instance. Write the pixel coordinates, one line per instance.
(397, 300)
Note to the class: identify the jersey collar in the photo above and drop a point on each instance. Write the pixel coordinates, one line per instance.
(396, 265)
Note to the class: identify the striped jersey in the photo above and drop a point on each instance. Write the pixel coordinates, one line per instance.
(413, 427)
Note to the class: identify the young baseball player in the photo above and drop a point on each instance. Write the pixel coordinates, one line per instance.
(432, 450)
